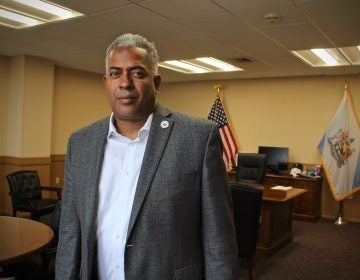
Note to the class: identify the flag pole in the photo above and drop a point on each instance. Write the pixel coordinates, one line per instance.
(218, 87)
(218, 116)
(340, 221)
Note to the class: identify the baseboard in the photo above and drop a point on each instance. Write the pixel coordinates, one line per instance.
(330, 217)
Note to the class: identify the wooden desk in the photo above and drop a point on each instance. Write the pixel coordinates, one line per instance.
(20, 238)
(306, 207)
(276, 220)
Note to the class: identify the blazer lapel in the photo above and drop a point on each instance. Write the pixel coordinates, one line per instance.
(159, 133)
(96, 142)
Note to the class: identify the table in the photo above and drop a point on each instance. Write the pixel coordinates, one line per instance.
(306, 207)
(20, 238)
(276, 220)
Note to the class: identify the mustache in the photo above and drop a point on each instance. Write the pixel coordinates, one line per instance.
(125, 93)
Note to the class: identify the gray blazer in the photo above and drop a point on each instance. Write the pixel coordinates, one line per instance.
(181, 222)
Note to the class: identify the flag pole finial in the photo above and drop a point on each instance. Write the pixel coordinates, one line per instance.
(218, 87)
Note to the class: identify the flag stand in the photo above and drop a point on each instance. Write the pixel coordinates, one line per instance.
(340, 221)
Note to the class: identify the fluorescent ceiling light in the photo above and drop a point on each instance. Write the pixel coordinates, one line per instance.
(18, 18)
(199, 65)
(322, 57)
(25, 13)
(186, 66)
(218, 63)
(325, 56)
(352, 54)
(47, 7)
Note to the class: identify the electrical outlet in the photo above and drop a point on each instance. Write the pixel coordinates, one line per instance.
(57, 180)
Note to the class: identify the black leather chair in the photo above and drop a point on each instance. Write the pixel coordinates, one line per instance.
(49, 252)
(247, 201)
(251, 168)
(26, 194)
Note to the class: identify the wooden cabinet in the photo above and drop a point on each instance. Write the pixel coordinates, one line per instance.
(306, 207)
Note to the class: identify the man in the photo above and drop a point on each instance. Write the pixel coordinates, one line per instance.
(146, 193)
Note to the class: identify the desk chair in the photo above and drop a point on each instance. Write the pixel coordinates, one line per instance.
(26, 194)
(251, 168)
(49, 252)
(247, 201)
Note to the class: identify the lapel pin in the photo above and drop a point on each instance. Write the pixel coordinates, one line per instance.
(164, 124)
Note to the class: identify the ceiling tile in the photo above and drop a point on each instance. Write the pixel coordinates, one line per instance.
(91, 6)
(330, 9)
(291, 31)
(183, 10)
(226, 29)
(216, 23)
(132, 17)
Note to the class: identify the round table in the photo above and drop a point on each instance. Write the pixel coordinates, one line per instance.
(20, 238)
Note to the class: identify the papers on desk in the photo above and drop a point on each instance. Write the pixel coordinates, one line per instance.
(282, 188)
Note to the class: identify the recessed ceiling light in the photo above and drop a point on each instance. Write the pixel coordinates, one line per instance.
(187, 66)
(47, 7)
(28, 21)
(325, 56)
(322, 57)
(218, 63)
(352, 54)
(25, 13)
(199, 65)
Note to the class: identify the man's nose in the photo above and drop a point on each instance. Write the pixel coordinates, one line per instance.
(125, 82)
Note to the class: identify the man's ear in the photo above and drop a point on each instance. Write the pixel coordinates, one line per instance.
(157, 82)
(104, 80)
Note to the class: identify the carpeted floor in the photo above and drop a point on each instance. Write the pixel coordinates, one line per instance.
(319, 251)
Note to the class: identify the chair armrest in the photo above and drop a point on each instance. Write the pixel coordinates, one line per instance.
(50, 188)
(58, 190)
(48, 252)
(21, 195)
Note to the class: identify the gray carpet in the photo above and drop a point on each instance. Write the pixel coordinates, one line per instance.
(319, 251)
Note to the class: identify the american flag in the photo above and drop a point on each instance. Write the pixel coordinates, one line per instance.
(218, 116)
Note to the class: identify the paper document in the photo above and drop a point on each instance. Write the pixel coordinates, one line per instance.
(283, 188)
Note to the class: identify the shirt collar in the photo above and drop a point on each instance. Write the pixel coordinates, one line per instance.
(113, 131)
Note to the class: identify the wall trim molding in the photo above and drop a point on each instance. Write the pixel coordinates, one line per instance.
(57, 158)
(333, 218)
(25, 161)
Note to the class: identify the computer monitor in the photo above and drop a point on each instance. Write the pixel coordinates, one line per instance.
(277, 157)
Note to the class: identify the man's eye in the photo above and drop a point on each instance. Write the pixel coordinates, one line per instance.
(138, 73)
(114, 74)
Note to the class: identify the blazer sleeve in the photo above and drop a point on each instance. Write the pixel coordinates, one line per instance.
(218, 231)
(67, 265)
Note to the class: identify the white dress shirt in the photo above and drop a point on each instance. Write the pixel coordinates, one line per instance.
(120, 172)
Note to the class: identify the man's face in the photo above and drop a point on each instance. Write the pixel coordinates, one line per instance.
(130, 84)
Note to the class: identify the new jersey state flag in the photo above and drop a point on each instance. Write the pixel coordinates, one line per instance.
(339, 149)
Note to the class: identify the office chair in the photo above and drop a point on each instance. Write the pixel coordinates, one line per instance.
(26, 194)
(251, 168)
(247, 201)
(49, 252)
